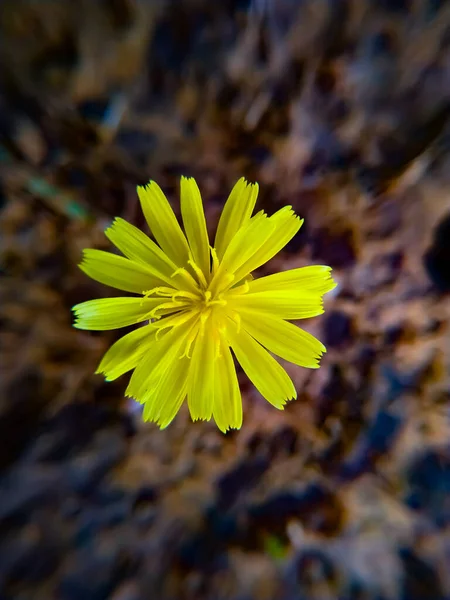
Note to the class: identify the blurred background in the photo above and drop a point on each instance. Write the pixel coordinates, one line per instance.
(341, 109)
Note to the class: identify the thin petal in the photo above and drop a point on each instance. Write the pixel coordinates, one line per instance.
(200, 390)
(112, 313)
(195, 223)
(140, 248)
(283, 338)
(266, 374)
(247, 241)
(285, 225)
(227, 407)
(168, 394)
(314, 279)
(162, 353)
(125, 354)
(175, 320)
(293, 304)
(118, 272)
(163, 223)
(236, 213)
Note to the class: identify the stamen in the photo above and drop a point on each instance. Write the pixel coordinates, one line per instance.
(146, 294)
(241, 289)
(189, 342)
(158, 333)
(208, 302)
(187, 277)
(200, 275)
(174, 320)
(188, 295)
(152, 316)
(221, 282)
(164, 291)
(228, 278)
(166, 307)
(215, 260)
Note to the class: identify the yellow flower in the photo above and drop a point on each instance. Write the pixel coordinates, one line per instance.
(201, 302)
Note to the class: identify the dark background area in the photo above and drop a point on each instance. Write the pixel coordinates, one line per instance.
(341, 109)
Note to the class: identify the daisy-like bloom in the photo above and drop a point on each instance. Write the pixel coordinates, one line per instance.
(201, 303)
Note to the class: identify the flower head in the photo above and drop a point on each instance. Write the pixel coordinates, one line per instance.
(201, 304)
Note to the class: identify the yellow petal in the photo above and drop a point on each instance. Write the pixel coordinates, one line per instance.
(118, 272)
(236, 213)
(168, 394)
(140, 248)
(285, 224)
(125, 354)
(195, 223)
(313, 279)
(200, 389)
(285, 304)
(112, 313)
(163, 223)
(175, 320)
(163, 352)
(247, 241)
(266, 374)
(227, 405)
(283, 339)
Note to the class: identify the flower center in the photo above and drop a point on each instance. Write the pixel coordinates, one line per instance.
(208, 300)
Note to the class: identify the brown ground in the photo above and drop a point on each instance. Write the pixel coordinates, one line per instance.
(338, 108)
